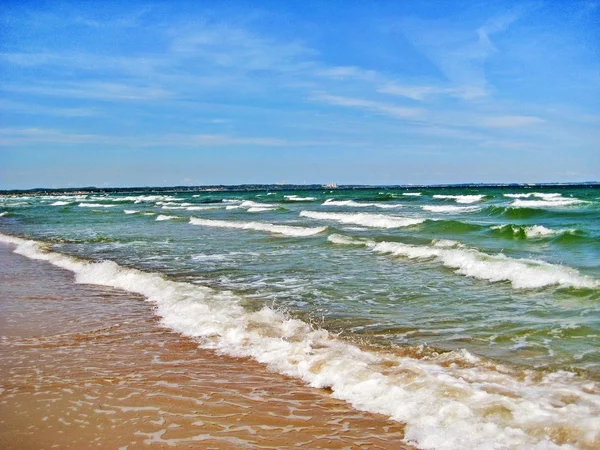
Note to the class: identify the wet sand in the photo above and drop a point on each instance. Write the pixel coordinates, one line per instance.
(84, 366)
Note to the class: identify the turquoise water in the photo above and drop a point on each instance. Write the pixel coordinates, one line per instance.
(508, 274)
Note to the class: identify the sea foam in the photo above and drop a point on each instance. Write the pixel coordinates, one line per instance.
(364, 219)
(286, 230)
(453, 400)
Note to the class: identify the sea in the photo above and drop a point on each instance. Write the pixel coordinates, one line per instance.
(471, 314)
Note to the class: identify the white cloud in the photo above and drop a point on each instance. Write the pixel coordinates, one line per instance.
(422, 92)
(26, 136)
(386, 108)
(511, 121)
(94, 90)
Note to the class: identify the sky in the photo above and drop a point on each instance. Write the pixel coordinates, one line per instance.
(230, 92)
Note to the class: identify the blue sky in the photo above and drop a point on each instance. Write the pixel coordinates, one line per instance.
(399, 92)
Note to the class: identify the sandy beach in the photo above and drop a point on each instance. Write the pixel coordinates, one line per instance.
(90, 367)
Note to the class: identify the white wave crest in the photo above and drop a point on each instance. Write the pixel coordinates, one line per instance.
(295, 198)
(461, 198)
(551, 202)
(251, 204)
(4, 213)
(286, 230)
(366, 220)
(95, 205)
(343, 240)
(202, 208)
(450, 208)
(354, 204)
(412, 194)
(60, 203)
(162, 217)
(130, 211)
(449, 401)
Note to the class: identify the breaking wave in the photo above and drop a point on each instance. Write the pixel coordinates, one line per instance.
(364, 219)
(461, 198)
(532, 232)
(450, 208)
(521, 273)
(286, 230)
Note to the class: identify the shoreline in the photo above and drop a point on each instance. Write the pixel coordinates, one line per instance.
(90, 367)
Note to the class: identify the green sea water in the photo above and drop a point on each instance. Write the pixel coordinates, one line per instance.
(475, 294)
(507, 274)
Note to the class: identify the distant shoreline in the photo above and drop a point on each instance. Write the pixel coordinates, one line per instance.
(283, 187)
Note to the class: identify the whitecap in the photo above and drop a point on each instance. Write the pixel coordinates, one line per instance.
(286, 230)
(364, 219)
(295, 198)
(162, 217)
(551, 202)
(450, 208)
(95, 205)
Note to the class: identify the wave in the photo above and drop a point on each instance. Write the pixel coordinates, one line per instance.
(461, 198)
(95, 205)
(452, 400)
(366, 220)
(260, 209)
(411, 194)
(286, 230)
(162, 217)
(550, 203)
(295, 198)
(202, 208)
(131, 211)
(515, 212)
(534, 194)
(251, 206)
(521, 273)
(60, 203)
(532, 232)
(355, 204)
(143, 198)
(450, 208)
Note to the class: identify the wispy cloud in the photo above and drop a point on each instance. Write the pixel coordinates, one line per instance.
(93, 90)
(370, 105)
(25, 136)
(511, 121)
(32, 108)
(234, 47)
(423, 92)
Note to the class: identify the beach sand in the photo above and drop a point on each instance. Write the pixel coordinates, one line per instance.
(84, 366)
